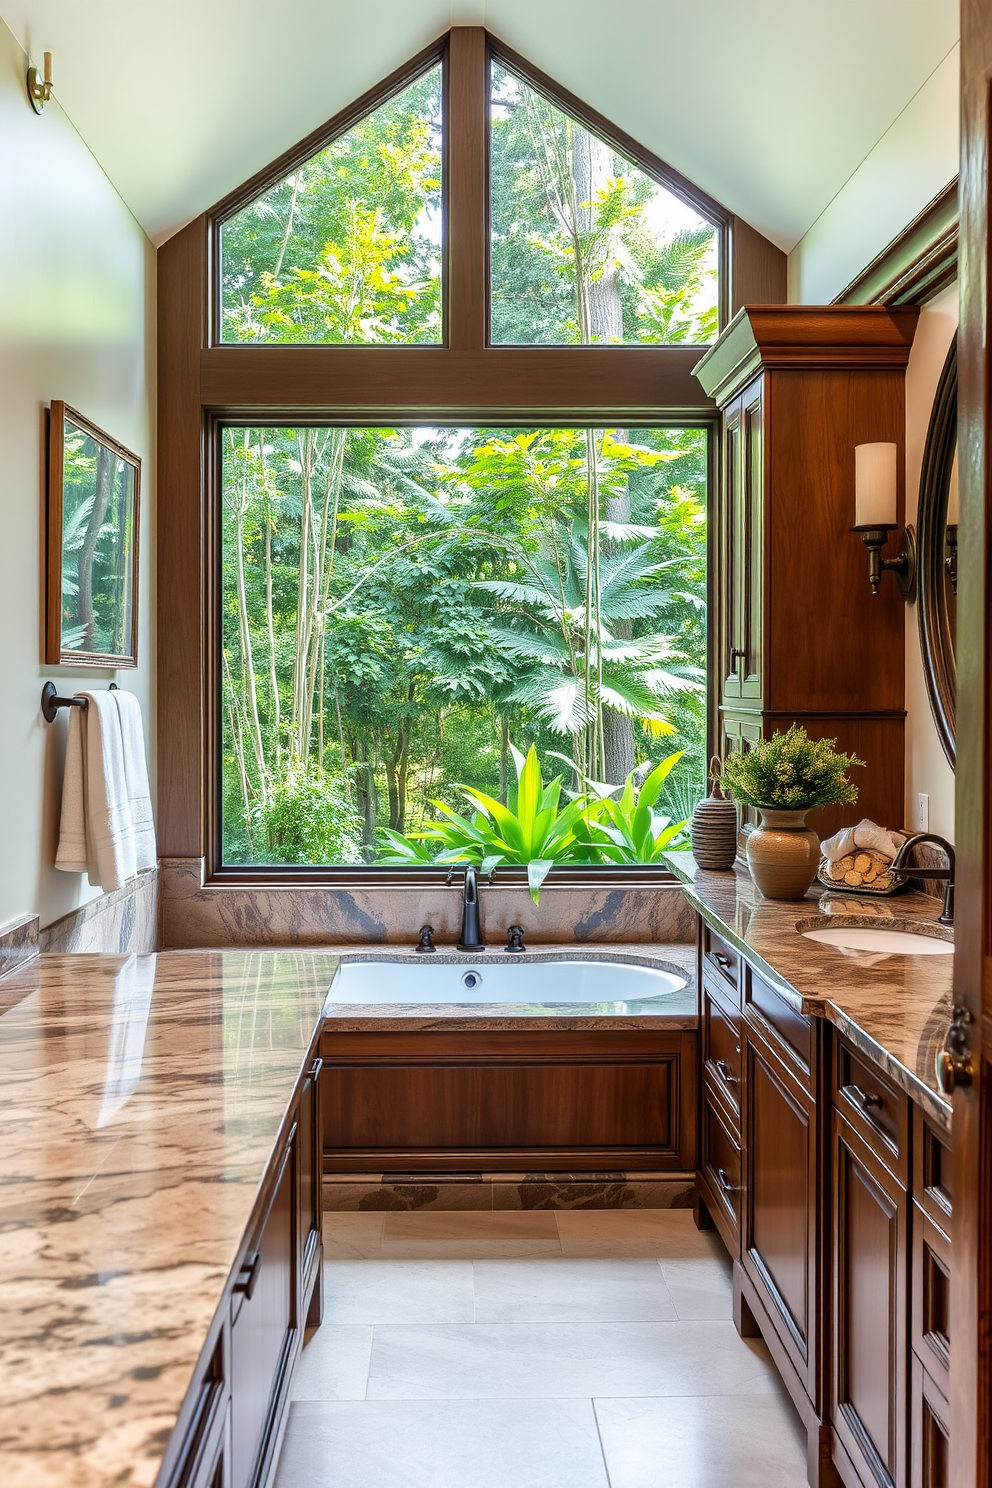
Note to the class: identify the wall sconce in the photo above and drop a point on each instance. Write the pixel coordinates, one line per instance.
(875, 500)
(40, 89)
(951, 526)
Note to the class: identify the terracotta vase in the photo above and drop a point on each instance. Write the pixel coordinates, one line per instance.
(783, 854)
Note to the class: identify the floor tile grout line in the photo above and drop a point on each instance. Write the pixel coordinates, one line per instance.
(602, 1444)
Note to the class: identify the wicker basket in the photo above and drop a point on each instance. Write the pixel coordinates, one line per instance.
(861, 872)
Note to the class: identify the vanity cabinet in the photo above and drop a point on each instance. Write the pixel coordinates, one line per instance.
(831, 1189)
(230, 1427)
(798, 388)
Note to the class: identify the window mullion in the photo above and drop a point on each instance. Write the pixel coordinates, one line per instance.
(467, 207)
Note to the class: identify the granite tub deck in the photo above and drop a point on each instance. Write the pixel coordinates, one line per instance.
(140, 1100)
(677, 1010)
(894, 1008)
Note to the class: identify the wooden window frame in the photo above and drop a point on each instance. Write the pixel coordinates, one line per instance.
(205, 383)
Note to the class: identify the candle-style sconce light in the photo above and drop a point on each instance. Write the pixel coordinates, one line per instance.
(951, 526)
(875, 508)
(40, 89)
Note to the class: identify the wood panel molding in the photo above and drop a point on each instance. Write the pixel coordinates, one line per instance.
(918, 263)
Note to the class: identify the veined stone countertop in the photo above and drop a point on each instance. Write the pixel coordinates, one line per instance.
(894, 1008)
(140, 1100)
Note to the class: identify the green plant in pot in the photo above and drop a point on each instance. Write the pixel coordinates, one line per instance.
(784, 777)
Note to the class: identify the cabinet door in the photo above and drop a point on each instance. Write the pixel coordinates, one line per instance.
(779, 1233)
(741, 731)
(309, 1195)
(869, 1385)
(742, 551)
(929, 1467)
(264, 1320)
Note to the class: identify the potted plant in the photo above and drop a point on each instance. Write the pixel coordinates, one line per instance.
(784, 777)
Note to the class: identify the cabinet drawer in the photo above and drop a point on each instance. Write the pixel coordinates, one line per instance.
(931, 1297)
(932, 1170)
(721, 1166)
(722, 1045)
(878, 1111)
(785, 1029)
(717, 953)
(929, 1413)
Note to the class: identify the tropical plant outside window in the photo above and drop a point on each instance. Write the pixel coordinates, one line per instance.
(586, 247)
(347, 248)
(443, 643)
(408, 611)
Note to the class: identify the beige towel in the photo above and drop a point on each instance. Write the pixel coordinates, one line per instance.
(107, 829)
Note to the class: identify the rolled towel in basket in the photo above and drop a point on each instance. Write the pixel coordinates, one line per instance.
(867, 836)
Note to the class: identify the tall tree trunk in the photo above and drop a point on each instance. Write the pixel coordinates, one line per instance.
(368, 794)
(244, 627)
(105, 465)
(271, 632)
(618, 729)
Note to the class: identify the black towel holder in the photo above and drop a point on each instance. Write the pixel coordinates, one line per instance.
(51, 702)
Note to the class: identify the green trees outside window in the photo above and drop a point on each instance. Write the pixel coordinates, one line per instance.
(586, 247)
(347, 248)
(405, 608)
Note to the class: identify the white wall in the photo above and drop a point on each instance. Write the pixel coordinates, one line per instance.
(927, 769)
(77, 286)
(911, 164)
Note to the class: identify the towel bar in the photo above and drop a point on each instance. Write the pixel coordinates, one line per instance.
(51, 702)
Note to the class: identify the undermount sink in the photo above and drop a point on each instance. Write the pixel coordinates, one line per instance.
(889, 940)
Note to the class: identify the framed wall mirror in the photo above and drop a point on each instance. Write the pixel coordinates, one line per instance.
(93, 506)
(937, 537)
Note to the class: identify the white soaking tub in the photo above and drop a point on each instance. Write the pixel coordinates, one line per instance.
(532, 982)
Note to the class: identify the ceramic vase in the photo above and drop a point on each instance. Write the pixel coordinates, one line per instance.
(714, 826)
(783, 854)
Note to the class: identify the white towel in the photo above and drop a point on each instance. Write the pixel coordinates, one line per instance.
(866, 835)
(107, 828)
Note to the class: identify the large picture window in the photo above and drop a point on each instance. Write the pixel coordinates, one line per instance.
(427, 396)
(407, 612)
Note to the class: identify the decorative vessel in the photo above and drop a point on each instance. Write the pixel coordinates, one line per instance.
(783, 854)
(714, 826)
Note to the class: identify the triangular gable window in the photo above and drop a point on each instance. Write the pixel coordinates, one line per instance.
(587, 248)
(346, 248)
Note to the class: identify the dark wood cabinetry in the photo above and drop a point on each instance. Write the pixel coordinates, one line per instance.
(799, 387)
(831, 1190)
(230, 1428)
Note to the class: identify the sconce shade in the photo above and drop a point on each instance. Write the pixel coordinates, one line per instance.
(875, 485)
(953, 499)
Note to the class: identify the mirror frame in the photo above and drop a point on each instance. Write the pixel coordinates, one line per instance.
(936, 640)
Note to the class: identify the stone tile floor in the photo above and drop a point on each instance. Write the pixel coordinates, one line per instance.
(568, 1349)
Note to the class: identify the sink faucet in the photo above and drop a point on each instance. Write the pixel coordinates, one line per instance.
(471, 936)
(947, 874)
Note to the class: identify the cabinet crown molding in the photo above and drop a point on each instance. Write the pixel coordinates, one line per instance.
(801, 337)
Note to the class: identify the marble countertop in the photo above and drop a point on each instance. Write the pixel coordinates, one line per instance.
(895, 1008)
(676, 1011)
(140, 1099)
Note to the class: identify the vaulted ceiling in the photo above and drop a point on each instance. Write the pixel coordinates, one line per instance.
(769, 105)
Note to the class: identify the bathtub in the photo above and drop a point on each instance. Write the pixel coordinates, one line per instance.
(542, 982)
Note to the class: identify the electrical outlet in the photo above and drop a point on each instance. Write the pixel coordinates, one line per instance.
(922, 812)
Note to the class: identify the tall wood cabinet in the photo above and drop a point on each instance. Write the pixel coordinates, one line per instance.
(798, 636)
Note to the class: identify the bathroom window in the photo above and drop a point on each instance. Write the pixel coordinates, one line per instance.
(346, 247)
(587, 248)
(407, 610)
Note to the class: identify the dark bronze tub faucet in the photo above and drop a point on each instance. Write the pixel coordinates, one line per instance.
(471, 936)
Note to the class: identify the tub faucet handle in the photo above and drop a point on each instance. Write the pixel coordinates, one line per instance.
(426, 946)
(515, 938)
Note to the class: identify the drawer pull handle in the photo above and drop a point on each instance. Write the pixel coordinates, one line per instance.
(315, 1068)
(726, 1071)
(722, 961)
(863, 1099)
(725, 1183)
(248, 1275)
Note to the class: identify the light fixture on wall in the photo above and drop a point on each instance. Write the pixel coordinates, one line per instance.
(951, 526)
(875, 509)
(40, 89)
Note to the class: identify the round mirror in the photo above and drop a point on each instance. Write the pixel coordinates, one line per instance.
(938, 538)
